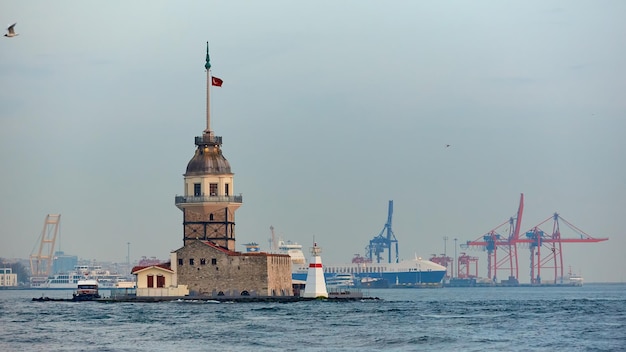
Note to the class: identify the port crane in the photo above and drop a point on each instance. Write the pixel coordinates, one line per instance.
(273, 240)
(468, 266)
(384, 241)
(41, 261)
(502, 249)
(552, 243)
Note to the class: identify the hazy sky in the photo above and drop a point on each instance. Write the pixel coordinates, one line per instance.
(329, 109)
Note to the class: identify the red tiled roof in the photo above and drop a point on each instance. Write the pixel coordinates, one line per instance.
(251, 254)
(219, 248)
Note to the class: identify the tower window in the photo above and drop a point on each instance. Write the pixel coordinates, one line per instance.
(214, 261)
(197, 190)
(213, 189)
(226, 189)
(180, 261)
(191, 261)
(211, 217)
(202, 261)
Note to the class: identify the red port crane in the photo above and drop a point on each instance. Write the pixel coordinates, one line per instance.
(502, 250)
(552, 256)
(467, 263)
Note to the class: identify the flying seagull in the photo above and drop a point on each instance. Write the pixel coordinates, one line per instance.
(447, 145)
(11, 31)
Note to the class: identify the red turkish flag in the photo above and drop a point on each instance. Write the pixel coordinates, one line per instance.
(216, 81)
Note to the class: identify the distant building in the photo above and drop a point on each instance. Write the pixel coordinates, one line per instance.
(63, 263)
(7, 278)
(145, 261)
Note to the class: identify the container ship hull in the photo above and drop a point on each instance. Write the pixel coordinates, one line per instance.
(390, 275)
(415, 272)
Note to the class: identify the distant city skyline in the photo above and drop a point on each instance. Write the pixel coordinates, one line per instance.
(327, 111)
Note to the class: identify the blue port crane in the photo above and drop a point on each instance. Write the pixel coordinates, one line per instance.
(384, 241)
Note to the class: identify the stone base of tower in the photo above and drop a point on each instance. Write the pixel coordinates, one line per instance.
(210, 270)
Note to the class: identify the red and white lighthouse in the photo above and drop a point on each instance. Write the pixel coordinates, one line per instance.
(315, 286)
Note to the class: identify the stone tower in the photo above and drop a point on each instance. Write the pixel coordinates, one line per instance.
(209, 203)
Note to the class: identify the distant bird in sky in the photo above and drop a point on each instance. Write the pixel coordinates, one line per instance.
(447, 145)
(11, 30)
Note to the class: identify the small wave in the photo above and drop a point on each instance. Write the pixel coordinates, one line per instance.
(267, 309)
(430, 340)
(462, 316)
(195, 301)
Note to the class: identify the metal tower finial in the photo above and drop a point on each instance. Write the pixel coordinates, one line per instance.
(207, 65)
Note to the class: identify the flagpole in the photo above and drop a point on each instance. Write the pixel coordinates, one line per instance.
(207, 66)
(208, 102)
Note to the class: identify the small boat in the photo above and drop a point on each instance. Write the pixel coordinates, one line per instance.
(374, 282)
(574, 279)
(340, 280)
(87, 290)
(342, 285)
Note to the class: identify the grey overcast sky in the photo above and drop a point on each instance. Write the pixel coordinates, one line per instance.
(329, 109)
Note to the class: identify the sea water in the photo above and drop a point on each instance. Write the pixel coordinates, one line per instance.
(588, 318)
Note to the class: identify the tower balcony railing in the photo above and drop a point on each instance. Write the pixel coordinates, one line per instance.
(209, 139)
(207, 199)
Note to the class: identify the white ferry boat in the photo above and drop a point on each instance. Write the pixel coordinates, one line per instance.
(68, 281)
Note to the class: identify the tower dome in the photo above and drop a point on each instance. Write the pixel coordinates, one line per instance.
(208, 160)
